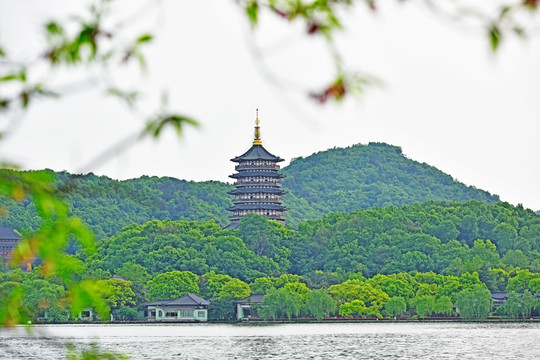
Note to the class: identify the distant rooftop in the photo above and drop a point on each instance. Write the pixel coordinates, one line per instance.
(186, 300)
(252, 299)
(8, 234)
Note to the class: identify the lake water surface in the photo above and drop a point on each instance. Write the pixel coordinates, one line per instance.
(282, 341)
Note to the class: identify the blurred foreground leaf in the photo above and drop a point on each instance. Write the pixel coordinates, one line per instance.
(156, 125)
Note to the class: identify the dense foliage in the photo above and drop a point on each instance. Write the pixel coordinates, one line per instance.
(447, 238)
(358, 177)
(199, 247)
(413, 294)
(108, 205)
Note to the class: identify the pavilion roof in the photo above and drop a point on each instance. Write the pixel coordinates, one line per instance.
(232, 226)
(186, 300)
(252, 299)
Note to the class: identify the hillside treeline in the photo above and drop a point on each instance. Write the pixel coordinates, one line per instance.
(108, 205)
(411, 295)
(358, 177)
(446, 238)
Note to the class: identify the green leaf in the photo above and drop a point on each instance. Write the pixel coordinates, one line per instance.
(86, 294)
(4, 103)
(39, 89)
(140, 57)
(2, 52)
(144, 38)
(154, 127)
(20, 76)
(519, 31)
(84, 235)
(54, 28)
(504, 11)
(35, 91)
(11, 310)
(252, 11)
(495, 37)
(130, 97)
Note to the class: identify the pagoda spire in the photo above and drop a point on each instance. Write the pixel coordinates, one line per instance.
(257, 140)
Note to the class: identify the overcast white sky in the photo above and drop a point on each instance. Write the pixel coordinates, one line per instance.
(447, 100)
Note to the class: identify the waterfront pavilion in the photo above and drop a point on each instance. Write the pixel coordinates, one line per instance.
(189, 307)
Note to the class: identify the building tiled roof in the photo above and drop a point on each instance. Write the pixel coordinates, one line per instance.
(273, 174)
(499, 295)
(261, 190)
(257, 152)
(252, 299)
(186, 300)
(8, 234)
(232, 226)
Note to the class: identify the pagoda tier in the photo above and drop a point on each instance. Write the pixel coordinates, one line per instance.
(243, 191)
(253, 175)
(258, 186)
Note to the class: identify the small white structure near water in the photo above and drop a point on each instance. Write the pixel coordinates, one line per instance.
(189, 307)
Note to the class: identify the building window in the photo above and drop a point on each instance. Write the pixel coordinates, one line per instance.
(186, 313)
(201, 314)
(171, 314)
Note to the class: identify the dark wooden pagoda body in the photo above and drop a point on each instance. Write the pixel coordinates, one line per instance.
(258, 185)
(8, 241)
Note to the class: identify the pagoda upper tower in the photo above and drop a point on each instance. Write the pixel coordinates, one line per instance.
(258, 185)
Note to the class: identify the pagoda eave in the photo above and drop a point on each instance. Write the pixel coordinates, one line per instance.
(270, 190)
(257, 152)
(255, 174)
(256, 207)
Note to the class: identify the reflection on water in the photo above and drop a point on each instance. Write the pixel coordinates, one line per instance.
(285, 341)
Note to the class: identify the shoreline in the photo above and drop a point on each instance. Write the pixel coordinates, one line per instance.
(297, 321)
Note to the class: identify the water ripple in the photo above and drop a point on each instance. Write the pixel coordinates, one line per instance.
(286, 341)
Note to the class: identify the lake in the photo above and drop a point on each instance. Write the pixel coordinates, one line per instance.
(282, 341)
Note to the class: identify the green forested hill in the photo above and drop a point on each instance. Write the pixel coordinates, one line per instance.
(367, 176)
(358, 177)
(108, 205)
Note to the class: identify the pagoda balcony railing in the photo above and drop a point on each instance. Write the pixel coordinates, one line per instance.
(261, 200)
(256, 167)
(271, 217)
(255, 183)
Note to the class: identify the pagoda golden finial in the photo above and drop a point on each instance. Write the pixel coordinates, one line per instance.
(257, 140)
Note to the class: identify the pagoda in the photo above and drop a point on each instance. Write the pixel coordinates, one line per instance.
(258, 185)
